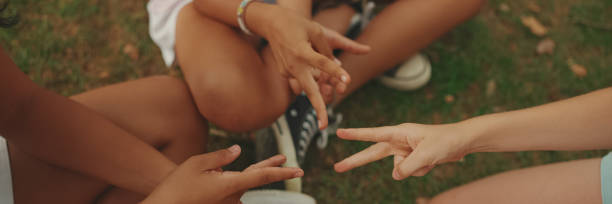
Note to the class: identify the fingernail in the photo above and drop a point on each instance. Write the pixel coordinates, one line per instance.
(337, 61)
(234, 149)
(320, 123)
(396, 175)
(299, 173)
(344, 78)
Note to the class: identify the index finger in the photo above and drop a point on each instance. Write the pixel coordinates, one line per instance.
(340, 41)
(311, 88)
(379, 134)
(368, 155)
(262, 176)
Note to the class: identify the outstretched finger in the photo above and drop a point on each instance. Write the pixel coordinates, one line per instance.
(270, 162)
(370, 154)
(379, 134)
(311, 88)
(215, 160)
(339, 41)
(262, 176)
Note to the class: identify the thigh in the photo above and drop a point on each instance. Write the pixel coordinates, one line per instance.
(158, 110)
(566, 182)
(231, 82)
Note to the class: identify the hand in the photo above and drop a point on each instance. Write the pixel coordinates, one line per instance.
(416, 148)
(300, 46)
(325, 82)
(201, 180)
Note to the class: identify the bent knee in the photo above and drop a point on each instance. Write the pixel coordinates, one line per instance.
(235, 110)
(183, 120)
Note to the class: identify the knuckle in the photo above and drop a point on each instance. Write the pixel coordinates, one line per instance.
(267, 178)
(301, 53)
(290, 68)
(319, 32)
(262, 176)
(323, 62)
(316, 29)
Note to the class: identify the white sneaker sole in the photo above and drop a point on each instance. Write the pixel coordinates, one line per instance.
(285, 147)
(276, 197)
(412, 75)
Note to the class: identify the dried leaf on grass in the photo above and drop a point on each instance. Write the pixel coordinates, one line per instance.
(534, 25)
(504, 7)
(579, 70)
(546, 46)
(104, 74)
(131, 51)
(449, 98)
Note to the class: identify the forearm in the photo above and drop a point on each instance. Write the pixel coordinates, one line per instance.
(579, 123)
(304, 7)
(59, 131)
(64, 133)
(256, 15)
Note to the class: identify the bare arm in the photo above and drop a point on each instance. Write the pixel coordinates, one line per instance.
(579, 123)
(256, 17)
(64, 133)
(304, 7)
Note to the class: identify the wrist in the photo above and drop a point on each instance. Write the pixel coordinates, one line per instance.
(474, 133)
(258, 16)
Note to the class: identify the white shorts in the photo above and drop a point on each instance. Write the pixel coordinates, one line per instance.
(6, 181)
(162, 25)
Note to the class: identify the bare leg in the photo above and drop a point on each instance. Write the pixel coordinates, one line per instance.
(566, 182)
(233, 86)
(239, 89)
(159, 110)
(398, 32)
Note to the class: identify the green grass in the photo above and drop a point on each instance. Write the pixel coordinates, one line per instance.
(71, 46)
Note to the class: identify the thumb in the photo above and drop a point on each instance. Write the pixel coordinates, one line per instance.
(214, 160)
(338, 41)
(415, 161)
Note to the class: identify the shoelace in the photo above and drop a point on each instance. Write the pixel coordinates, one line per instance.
(309, 130)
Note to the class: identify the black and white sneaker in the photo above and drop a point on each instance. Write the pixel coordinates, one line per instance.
(293, 133)
(301, 120)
